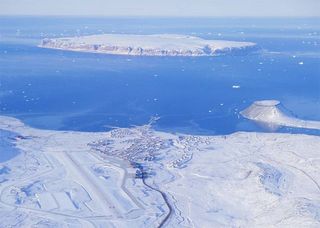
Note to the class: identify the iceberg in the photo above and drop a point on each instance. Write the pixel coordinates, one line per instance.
(147, 45)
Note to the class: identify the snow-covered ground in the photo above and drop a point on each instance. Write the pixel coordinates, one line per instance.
(269, 113)
(150, 45)
(139, 177)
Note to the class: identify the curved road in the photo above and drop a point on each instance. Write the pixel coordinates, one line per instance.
(165, 198)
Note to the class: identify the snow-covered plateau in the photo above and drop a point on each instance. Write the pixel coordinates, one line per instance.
(271, 114)
(148, 45)
(139, 177)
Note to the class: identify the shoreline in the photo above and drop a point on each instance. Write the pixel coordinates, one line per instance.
(268, 164)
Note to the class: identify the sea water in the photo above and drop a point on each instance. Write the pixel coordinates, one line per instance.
(63, 90)
(7, 149)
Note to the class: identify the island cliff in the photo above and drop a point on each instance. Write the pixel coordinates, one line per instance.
(147, 45)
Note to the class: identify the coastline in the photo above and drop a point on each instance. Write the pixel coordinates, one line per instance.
(146, 45)
(170, 162)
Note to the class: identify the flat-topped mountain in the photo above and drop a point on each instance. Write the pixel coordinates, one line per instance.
(271, 113)
(147, 45)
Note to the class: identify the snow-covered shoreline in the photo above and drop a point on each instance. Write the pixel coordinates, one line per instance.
(269, 113)
(245, 179)
(146, 45)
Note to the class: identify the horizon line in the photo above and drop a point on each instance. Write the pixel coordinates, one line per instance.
(155, 16)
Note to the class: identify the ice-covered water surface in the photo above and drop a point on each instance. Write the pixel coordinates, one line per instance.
(139, 177)
(8, 149)
(90, 92)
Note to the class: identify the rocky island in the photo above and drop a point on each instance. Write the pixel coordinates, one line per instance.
(272, 114)
(147, 45)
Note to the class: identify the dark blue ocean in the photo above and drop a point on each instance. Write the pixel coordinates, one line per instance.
(53, 89)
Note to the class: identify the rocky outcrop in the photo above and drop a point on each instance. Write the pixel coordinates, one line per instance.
(271, 114)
